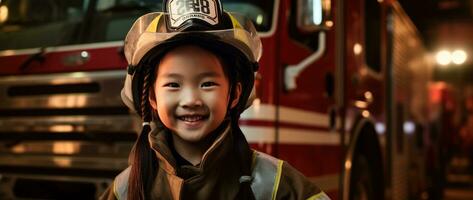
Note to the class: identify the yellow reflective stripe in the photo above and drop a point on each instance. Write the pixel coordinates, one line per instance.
(239, 31)
(235, 22)
(278, 178)
(319, 196)
(153, 26)
(115, 190)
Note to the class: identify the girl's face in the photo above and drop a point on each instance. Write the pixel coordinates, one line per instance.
(191, 92)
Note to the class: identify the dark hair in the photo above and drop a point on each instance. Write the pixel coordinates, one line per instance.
(144, 162)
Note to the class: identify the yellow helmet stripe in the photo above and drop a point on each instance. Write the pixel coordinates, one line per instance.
(235, 22)
(153, 26)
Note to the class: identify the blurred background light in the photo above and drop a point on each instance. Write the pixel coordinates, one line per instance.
(259, 19)
(357, 48)
(365, 113)
(409, 127)
(3, 13)
(380, 128)
(329, 23)
(317, 9)
(459, 57)
(443, 57)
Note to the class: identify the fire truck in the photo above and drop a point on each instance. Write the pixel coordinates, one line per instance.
(341, 95)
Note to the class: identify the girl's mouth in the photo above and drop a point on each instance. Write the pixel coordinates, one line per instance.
(193, 121)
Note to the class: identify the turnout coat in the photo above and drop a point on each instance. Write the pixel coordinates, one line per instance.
(218, 174)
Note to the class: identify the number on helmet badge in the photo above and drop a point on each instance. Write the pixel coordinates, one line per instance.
(183, 10)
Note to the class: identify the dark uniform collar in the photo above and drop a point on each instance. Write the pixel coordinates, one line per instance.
(173, 163)
(216, 177)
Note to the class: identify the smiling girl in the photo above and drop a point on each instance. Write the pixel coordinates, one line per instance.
(190, 76)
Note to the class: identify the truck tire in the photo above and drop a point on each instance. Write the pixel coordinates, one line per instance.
(362, 185)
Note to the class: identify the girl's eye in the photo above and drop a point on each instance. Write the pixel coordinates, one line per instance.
(209, 84)
(171, 85)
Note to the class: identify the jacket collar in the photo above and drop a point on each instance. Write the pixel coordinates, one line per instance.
(214, 155)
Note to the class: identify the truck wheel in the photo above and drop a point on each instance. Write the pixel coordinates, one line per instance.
(361, 184)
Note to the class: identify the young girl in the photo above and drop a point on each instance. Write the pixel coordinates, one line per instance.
(190, 75)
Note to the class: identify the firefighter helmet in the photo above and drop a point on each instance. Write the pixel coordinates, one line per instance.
(202, 23)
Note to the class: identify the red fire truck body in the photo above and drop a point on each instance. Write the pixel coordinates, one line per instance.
(340, 95)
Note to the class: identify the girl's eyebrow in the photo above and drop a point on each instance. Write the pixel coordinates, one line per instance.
(201, 75)
(172, 75)
(208, 74)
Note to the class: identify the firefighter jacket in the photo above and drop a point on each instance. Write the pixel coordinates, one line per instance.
(217, 176)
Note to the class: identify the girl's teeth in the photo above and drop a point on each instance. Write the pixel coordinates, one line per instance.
(192, 118)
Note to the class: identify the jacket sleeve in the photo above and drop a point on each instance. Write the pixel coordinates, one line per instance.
(294, 185)
(108, 194)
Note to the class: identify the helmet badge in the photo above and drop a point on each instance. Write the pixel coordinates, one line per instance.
(182, 10)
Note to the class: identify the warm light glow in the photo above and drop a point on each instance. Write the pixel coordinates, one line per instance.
(459, 57)
(357, 49)
(348, 164)
(361, 104)
(62, 161)
(61, 128)
(327, 5)
(368, 96)
(18, 149)
(329, 23)
(65, 148)
(365, 113)
(3, 13)
(443, 57)
(67, 101)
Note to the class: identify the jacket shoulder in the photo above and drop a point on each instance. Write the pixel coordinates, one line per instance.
(279, 180)
(119, 187)
(294, 185)
(120, 184)
(266, 172)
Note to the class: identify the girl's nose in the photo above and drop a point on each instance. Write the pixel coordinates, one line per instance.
(191, 98)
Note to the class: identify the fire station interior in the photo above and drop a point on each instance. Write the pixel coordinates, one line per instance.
(446, 27)
(65, 132)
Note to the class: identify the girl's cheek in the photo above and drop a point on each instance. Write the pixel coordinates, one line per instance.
(211, 96)
(164, 101)
(218, 99)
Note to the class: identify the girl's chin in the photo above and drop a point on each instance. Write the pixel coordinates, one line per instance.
(191, 137)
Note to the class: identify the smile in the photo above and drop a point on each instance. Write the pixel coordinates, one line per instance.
(192, 118)
(193, 121)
